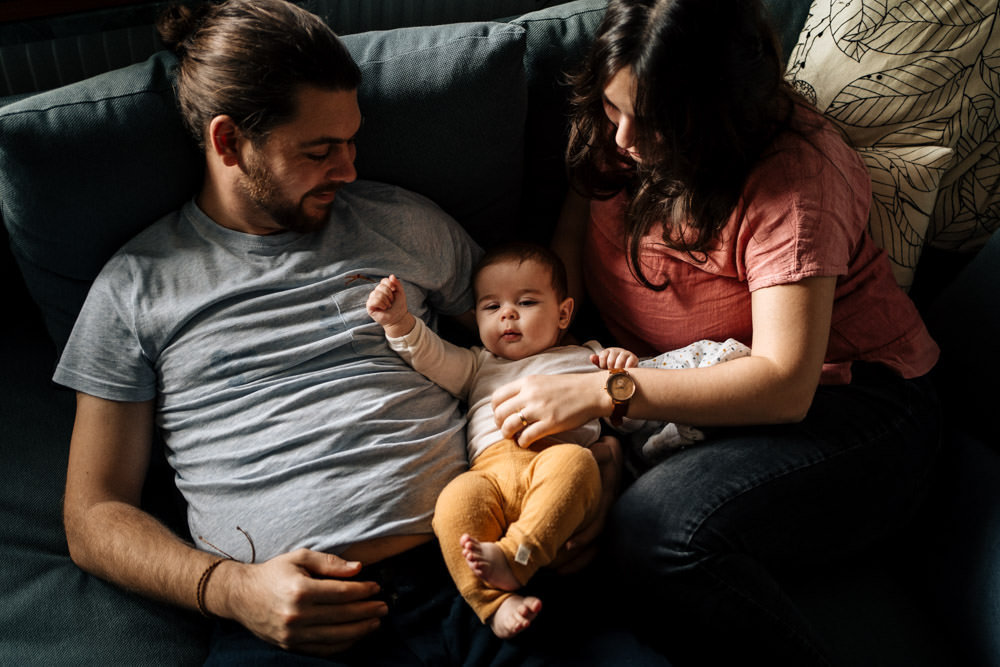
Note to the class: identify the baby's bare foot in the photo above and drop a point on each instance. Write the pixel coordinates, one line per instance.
(514, 615)
(487, 561)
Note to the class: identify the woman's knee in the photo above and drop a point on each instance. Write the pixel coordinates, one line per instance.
(652, 525)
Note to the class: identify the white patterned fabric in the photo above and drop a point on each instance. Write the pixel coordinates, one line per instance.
(915, 84)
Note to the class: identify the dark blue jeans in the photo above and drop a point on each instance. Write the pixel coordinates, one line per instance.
(430, 624)
(704, 536)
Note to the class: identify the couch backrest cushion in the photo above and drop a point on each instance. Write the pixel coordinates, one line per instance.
(82, 169)
(788, 17)
(557, 40)
(85, 167)
(444, 111)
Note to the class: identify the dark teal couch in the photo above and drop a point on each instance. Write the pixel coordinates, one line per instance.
(473, 116)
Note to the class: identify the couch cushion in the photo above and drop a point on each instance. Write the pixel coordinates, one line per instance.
(898, 75)
(85, 167)
(444, 116)
(962, 317)
(82, 169)
(787, 17)
(557, 41)
(52, 613)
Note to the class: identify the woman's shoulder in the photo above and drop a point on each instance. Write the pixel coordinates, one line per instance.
(812, 140)
(806, 205)
(810, 161)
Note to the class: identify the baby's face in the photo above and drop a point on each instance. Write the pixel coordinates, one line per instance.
(517, 310)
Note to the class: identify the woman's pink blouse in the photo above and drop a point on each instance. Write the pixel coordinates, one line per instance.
(804, 213)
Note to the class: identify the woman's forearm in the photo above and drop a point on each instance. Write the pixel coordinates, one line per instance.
(775, 384)
(751, 390)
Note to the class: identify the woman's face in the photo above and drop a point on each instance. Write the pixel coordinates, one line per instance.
(619, 101)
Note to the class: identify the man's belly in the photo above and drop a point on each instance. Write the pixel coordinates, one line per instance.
(372, 551)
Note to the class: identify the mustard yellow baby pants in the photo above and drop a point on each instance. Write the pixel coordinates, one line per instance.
(530, 501)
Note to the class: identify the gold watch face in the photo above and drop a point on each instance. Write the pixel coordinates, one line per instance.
(621, 387)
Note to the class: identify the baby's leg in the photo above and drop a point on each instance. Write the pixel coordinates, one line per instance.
(488, 562)
(563, 486)
(514, 615)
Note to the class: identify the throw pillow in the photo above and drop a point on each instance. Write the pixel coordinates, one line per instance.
(896, 75)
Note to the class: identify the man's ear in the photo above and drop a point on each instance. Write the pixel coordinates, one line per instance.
(224, 140)
(566, 312)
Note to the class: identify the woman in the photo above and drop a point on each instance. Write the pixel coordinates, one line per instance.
(710, 202)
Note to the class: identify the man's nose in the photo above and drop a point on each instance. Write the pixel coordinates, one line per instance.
(342, 170)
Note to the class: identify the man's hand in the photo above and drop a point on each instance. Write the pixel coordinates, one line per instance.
(387, 306)
(303, 601)
(614, 357)
(583, 545)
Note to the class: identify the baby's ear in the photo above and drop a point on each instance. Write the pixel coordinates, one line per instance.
(566, 312)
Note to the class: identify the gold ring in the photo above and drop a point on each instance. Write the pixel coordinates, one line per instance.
(524, 420)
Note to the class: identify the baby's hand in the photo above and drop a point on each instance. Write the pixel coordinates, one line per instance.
(387, 302)
(614, 357)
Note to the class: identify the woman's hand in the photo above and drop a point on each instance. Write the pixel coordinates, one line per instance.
(528, 409)
(302, 601)
(583, 545)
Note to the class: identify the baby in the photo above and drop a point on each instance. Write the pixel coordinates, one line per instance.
(516, 507)
(511, 512)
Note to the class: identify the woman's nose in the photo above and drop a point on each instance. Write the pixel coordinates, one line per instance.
(625, 134)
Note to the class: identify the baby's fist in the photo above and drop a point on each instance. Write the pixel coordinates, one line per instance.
(614, 357)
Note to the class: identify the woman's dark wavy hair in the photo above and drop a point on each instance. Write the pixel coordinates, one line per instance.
(248, 58)
(711, 98)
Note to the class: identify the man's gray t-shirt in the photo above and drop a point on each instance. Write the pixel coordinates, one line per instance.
(283, 410)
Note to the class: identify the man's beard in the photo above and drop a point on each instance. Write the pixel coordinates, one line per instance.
(287, 214)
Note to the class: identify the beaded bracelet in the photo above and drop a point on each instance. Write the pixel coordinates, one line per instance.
(203, 583)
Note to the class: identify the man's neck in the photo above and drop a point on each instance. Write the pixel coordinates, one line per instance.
(218, 200)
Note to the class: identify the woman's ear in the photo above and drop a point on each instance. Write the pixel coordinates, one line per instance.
(224, 139)
(566, 313)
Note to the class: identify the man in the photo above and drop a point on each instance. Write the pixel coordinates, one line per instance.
(237, 326)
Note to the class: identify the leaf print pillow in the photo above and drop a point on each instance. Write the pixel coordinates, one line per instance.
(915, 85)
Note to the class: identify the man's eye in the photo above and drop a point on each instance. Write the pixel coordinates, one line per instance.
(317, 158)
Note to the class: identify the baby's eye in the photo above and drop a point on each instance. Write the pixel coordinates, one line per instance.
(527, 302)
(491, 306)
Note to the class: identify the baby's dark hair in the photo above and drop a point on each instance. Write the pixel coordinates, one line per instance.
(524, 252)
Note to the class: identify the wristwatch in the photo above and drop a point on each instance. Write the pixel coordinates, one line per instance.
(621, 388)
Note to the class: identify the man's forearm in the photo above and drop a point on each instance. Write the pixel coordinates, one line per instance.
(126, 546)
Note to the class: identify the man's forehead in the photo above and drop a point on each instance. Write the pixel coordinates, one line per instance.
(325, 116)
